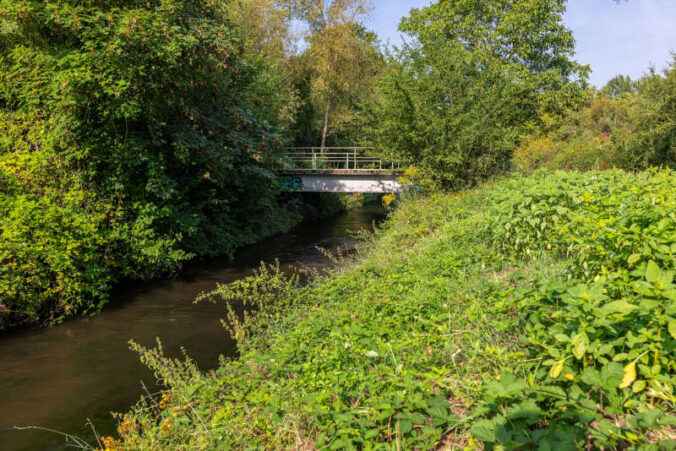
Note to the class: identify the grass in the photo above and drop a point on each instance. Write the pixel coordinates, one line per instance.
(440, 334)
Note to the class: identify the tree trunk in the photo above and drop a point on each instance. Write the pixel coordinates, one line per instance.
(326, 122)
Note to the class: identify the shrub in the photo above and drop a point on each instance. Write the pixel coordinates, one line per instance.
(53, 255)
(617, 127)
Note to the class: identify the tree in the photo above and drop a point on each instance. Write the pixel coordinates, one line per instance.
(266, 22)
(477, 75)
(652, 140)
(619, 86)
(342, 57)
(323, 14)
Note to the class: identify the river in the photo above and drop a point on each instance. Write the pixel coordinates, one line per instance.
(59, 377)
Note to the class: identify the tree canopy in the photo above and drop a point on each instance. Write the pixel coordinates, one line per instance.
(476, 75)
(341, 62)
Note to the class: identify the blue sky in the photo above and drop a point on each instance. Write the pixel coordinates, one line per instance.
(612, 38)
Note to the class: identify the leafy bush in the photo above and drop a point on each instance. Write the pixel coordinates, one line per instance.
(154, 126)
(586, 139)
(631, 127)
(52, 230)
(653, 138)
(52, 257)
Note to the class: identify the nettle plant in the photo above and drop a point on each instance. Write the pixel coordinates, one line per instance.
(604, 339)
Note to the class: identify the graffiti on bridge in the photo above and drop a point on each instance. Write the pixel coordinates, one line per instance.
(292, 184)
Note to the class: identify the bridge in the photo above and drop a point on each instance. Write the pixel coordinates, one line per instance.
(338, 170)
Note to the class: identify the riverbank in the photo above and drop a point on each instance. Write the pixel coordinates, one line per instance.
(22, 308)
(535, 311)
(84, 368)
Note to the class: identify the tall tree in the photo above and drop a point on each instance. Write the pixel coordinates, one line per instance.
(619, 86)
(477, 74)
(652, 141)
(341, 57)
(322, 14)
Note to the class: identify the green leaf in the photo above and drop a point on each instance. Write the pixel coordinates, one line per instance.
(580, 345)
(672, 328)
(622, 307)
(528, 410)
(417, 418)
(562, 337)
(508, 387)
(405, 427)
(652, 272)
(638, 386)
(437, 412)
(620, 357)
(484, 430)
(592, 377)
(649, 418)
(611, 375)
(633, 258)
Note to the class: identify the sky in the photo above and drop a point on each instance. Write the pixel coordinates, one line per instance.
(625, 38)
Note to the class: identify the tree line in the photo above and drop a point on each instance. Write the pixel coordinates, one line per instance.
(138, 134)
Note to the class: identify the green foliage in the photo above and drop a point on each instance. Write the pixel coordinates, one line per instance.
(620, 86)
(160, 121)
(538, 312)
(627, 124)
(605, 370)
(582, 139)
(653, 138)
(51, 259)
(332, 78)
(477, 77)
(252, 303)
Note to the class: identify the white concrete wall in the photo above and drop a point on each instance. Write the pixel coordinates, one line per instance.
(345, 184)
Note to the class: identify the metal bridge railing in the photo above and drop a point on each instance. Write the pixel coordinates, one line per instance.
(336, 158)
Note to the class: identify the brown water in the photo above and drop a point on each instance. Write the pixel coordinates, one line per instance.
(56, 378)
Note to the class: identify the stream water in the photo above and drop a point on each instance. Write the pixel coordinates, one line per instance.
(59, 377)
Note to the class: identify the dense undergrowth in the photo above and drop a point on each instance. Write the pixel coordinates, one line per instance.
(534, 312)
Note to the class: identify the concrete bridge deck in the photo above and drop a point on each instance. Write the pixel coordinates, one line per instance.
(341, 180)
(338, 170)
